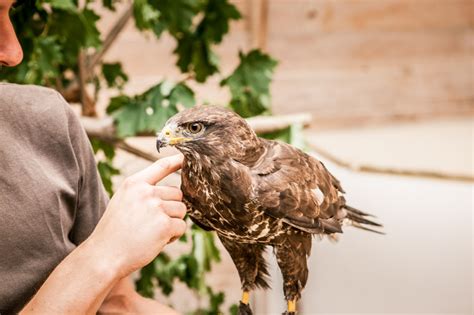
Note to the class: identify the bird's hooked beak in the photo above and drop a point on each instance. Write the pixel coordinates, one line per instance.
(169, 136)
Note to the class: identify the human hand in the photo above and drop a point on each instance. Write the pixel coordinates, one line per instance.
(141, 218)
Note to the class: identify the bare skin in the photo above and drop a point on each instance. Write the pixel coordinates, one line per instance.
(139, 221)
(11, 53)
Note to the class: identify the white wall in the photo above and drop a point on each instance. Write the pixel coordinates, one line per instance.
(423, 264)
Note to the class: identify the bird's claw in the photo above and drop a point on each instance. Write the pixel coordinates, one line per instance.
(244, 309)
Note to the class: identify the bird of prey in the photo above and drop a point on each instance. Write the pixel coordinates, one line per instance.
(255, 193)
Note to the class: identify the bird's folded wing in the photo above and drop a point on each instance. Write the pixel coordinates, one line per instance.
(295, 187)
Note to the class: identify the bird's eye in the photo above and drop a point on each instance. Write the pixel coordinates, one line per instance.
(195, 127)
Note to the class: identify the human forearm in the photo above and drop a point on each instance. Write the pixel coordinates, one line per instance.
(139, 221)
(123, 299)
(78, 285)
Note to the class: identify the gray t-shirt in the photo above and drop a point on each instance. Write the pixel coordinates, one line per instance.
(51, 196)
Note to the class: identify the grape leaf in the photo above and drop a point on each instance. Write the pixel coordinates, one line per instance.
(215, 23)
(92, 35)
(176, 15)
(114, 75)
(75, 30)
(62, 4)
(182, 94)
(146, 16)
(249, 84)
(196, 56)
(109, 4)
(148, 112)
(107, 171)
(194, 49)
(44, 61)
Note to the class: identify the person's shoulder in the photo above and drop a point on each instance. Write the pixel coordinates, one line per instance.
(29, 107)
(28, 101)
(25, 94)
(25, 90)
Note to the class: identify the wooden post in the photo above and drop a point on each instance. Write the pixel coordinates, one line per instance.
(258, 23)
(87, 103)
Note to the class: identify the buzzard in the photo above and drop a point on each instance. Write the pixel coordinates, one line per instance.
(255, 193)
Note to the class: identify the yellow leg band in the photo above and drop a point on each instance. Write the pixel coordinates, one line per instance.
(292, 306)
(245, 297)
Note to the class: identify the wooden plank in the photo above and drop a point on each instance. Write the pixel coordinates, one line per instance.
(257, 20)
(377, 92)
(300, 51)
(307, 16)
(372, 60)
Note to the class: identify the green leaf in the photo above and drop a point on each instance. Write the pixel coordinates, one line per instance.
(176, 15)
(109, 4)
(217, 16)
(108, 149)
(117, 102)
(75, 31)
(195, 56)
(215, 301)
(297, 136)
(44, 61)
(92, 34)
(283, 135)
(144, 284)
(149, 111)
(146, 16)
(292, 135)
(182, 95)
(114, 75)
(249, 84)
(234, 309)
(62, 4)
(107, 171)
(105, 165)
(205, 251)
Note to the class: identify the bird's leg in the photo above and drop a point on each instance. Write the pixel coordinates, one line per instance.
(250, 263)
(244, 307)
(291, 257)
(291, 310)
(245, 297)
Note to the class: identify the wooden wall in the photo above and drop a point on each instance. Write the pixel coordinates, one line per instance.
(345, 61)
(365, 60)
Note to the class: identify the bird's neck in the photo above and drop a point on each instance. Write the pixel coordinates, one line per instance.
(252, 152)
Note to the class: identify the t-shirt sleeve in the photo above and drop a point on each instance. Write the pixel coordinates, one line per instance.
(92, 199)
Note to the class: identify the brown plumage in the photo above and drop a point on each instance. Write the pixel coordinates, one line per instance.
(255, 192)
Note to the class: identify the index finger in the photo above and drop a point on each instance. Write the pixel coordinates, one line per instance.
(160, 169)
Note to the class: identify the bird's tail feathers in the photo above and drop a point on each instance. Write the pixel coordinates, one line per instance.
(358, 219)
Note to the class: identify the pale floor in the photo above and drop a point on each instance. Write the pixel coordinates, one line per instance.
(423, 264)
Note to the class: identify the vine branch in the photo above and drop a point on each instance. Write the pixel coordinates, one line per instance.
(73, 92)
(112, 35)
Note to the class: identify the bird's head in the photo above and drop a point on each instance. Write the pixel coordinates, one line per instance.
(207, 130)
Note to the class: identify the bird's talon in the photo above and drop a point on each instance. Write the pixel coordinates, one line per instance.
(244, 309)
(291, 308)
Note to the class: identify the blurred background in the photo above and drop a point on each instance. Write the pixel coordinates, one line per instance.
(382, 91)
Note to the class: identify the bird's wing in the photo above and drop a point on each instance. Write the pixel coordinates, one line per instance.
(291, 185)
